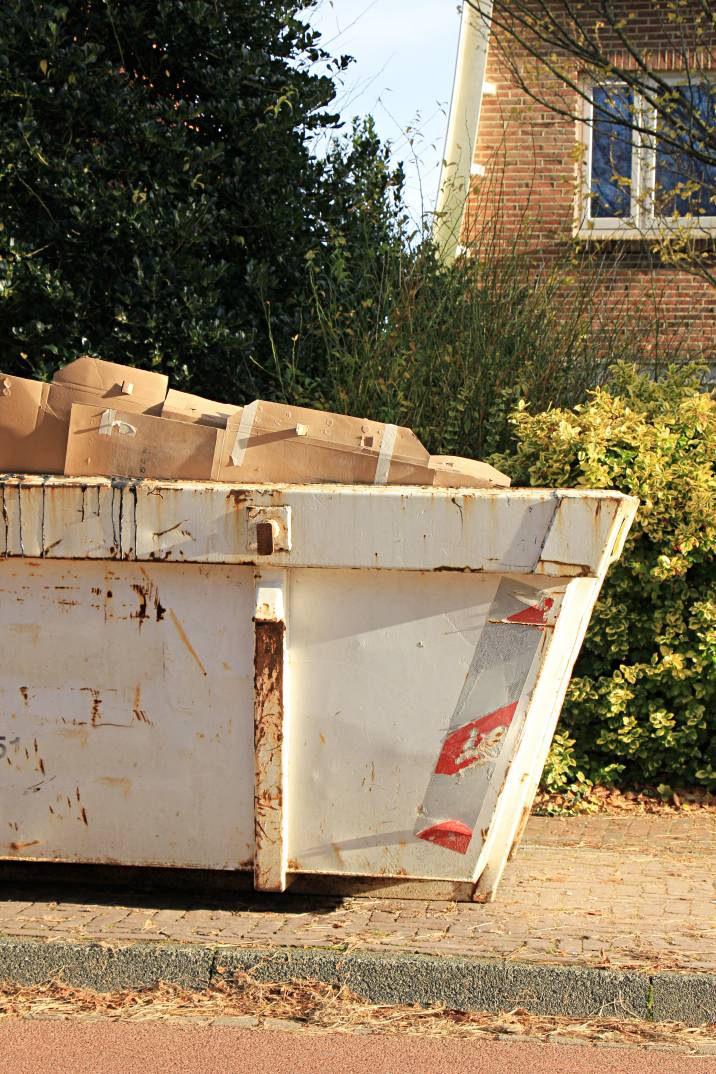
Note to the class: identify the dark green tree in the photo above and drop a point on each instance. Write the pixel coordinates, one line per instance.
(161, 202)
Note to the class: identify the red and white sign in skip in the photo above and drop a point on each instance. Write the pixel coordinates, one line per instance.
(488, 713)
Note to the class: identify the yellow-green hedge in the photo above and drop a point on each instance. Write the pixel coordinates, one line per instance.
(641, 708)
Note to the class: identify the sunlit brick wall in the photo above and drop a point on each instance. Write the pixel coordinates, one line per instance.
(528, 196)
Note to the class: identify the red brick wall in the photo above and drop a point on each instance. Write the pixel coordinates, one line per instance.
(529, 196)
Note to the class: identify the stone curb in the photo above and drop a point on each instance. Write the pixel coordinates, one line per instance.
(458, 983)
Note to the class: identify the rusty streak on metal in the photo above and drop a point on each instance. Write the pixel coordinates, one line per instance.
(524, 817)
(169, 529)
(568, 570)
(269, 639)
(183, 635)
(458, 570)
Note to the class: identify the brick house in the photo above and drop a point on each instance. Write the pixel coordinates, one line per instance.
(555, 161)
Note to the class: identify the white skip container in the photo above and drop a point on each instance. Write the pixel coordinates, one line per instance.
(328, 687)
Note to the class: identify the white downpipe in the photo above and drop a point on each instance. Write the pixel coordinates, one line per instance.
(462, 126)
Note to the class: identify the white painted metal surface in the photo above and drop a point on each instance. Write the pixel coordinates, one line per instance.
(299, 681)
(462, 127)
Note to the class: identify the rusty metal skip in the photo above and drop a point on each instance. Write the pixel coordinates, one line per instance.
(317, 687)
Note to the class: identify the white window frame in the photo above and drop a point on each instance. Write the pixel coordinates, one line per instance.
(642, 222)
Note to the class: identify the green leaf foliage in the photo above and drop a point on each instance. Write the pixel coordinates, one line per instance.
(160, 192)
(641, 708)
(450, 350)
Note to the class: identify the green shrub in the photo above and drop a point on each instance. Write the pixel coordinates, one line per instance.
(160, 189)
(641, 708)
(393, 333)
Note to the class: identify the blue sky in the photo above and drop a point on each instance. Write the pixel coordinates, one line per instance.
(404, 54)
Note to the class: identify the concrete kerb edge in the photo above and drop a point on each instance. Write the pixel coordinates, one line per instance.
(689, 998)
(104, 968)
(458, 983)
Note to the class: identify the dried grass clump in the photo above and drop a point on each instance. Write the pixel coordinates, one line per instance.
(325, 1008)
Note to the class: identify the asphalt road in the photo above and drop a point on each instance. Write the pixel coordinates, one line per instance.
(68, 1046)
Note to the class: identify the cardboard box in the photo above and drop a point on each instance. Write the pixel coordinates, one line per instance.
(263, 442)
(92, 380)
(106, 442)
(32, 437)
(101, 418)
(274, 442)
(182, 406)
(34, 416)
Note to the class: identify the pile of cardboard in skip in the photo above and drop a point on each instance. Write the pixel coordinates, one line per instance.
(98, 418)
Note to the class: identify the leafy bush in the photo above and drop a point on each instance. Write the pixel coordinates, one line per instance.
(450, 350)
(159, 188)
(641, 708)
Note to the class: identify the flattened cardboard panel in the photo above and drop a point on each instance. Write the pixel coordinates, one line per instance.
(451, 471)
(274, 442)
(92, 379)
(106, 442)
(32, 440)
(182, 406)
(263, 442)
(286, 457)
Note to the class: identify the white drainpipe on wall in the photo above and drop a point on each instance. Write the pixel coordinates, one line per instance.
(463, 121)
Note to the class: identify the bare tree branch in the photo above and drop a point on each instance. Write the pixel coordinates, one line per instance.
(562, 54)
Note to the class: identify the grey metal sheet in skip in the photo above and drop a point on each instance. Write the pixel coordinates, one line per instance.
(485, 724)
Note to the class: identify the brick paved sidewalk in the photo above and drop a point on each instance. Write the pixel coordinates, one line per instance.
(619, 892)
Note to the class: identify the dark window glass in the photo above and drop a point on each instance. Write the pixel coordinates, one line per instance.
(610, 179)
(685, 184)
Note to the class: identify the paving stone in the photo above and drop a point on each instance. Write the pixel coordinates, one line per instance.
(238, 1021)
(636, 892)
(282, 1023)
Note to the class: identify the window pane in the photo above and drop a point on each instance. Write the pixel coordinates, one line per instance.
(610, 179)
(685, 184)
